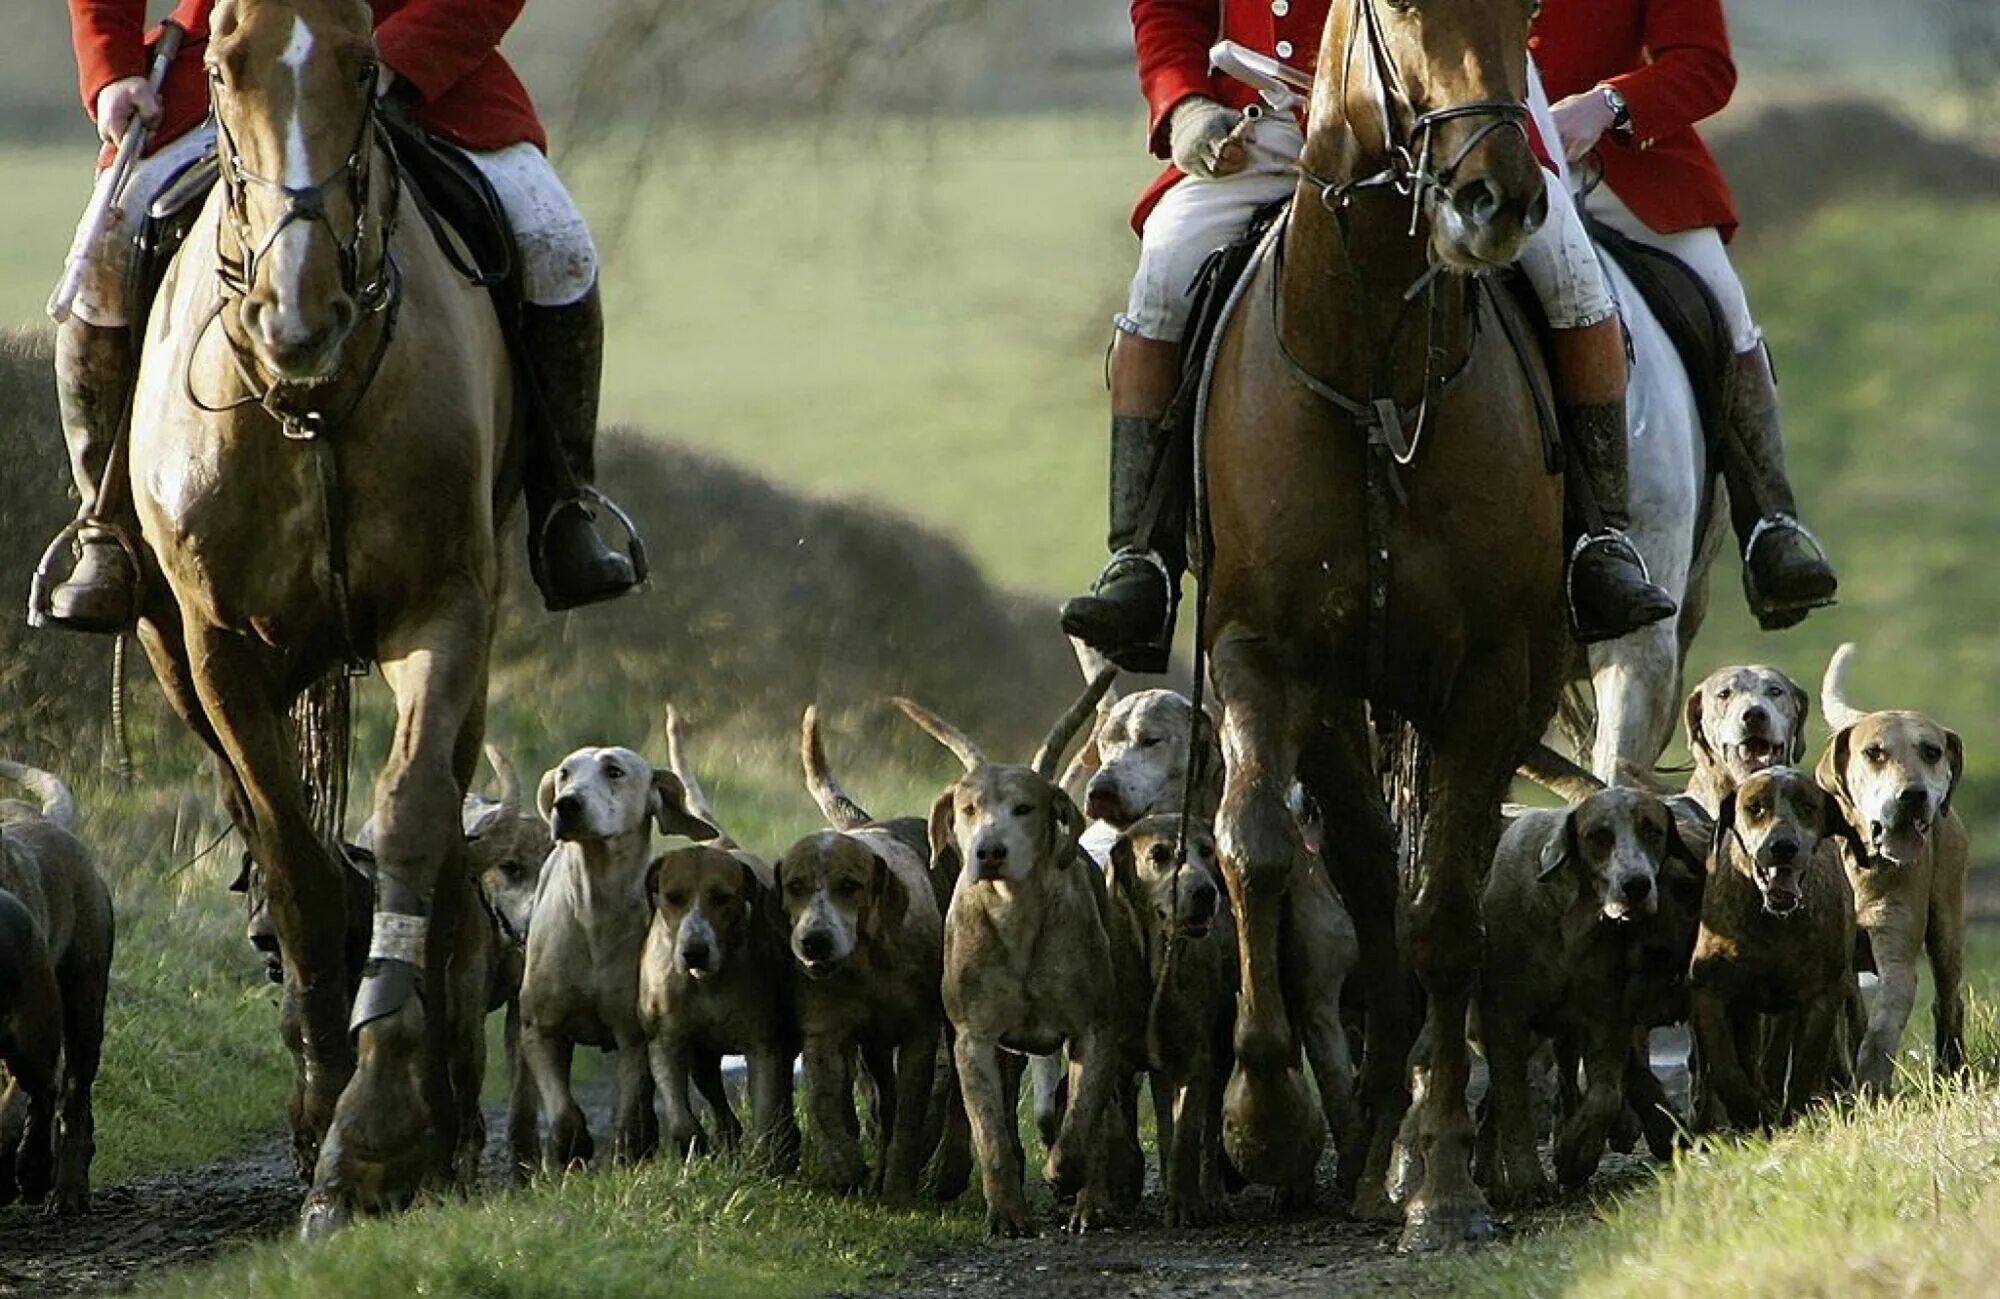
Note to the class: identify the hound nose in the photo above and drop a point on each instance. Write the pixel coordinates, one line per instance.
(1203, 898)
(816, 945)
(1478, 201)
(1637, 889)
(1783, 851)
(697, 955)
(991, 854)
(1755, 715)
(1915, 799)
(568, 807)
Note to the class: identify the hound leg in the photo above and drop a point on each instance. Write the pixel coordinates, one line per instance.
(775, 1128)
(635, 1128)
(1515, 1177)
(1945, 942)
(1269, 1113)
(903, 1153)
(1051, 1090)
(1084, 1141)
(1581, 1138)
(830, 1107)
(1809, 1059)
(670, 1077)
(995, 1134)
(1729, 1096)
(1646, 1098)
(705, 1071)
(521, 1136)
(1898, 947)
(566, 1142)
(1361, 861)
(305, 888)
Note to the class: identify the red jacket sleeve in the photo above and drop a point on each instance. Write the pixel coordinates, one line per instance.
(110, 41)
(1173, 39)
(433, 44)
(1690, 75)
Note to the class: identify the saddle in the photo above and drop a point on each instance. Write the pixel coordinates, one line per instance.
(1685, 308)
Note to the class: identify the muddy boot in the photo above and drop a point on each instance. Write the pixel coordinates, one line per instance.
(1785, 570)
(95, 370)
(571, 563)
(1129, 614)
(1610, 592)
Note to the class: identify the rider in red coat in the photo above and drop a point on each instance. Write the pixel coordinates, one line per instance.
(1630, 78)
(1225, 169)
(441, 59)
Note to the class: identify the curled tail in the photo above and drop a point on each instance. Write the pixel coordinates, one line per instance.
(1833, 703)
(841, 811)
(697, 797)
(58, 804)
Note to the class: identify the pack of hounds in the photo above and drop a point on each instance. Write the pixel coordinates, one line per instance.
(1077, 927)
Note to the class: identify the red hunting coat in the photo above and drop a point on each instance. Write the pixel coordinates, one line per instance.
(1671, 61)
(448, 49)
(1669, 58)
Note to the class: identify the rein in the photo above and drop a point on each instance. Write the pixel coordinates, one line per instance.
(379, 295)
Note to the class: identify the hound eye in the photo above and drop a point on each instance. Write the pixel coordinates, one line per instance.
(676, 899)
(1024, 809)
(1602, 837)
(1931, 752)
(612, 771)
(1724, 693)
(1652, 833)
(1774, 691)
(1755, 808)
(1151, 742)
(1876, 754)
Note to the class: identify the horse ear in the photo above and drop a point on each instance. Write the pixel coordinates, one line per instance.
(1831, 773)
(668, 803)
(1697, 742)
(1561, 849)
(545, 796)
(1795, 751)
(1955, 750)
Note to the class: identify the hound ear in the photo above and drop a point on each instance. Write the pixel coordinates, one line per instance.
(1795, 750)
(1725, 819)
(892, 899)
(1954, 748)
(1124, 867)
(545, 796)
(1697, 742)
(1068, 823)
(1834, 824)
(241, 884)
(1831, 773)
(944, 845)
(668, 804)
(653, 882)
(1560, 850)
(1677, 846)
(754, 892)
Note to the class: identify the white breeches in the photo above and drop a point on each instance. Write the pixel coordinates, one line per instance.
(558, 259)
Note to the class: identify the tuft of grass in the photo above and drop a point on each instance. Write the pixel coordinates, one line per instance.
(707, 1228)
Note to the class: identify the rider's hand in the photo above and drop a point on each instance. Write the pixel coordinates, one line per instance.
(1581, 121)
(1202, 133)
(120, 101)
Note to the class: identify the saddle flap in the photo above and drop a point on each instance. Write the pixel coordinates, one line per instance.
(186, 188)
(1686, 310)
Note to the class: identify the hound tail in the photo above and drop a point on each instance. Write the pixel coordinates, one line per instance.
(697, 797)
(1833, 703)
(1568, 780)
(58, 804)
(840, 810)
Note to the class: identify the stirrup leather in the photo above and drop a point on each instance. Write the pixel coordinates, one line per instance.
(1124, 559)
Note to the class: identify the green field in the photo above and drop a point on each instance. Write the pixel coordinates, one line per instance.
(917, 315)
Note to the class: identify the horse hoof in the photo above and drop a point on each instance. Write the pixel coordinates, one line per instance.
(322, 1215)
(1272, 1128)
(1430, 1228)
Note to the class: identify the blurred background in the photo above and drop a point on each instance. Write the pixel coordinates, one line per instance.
(860, 260)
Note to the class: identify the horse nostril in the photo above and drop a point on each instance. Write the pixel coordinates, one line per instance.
(1478, 201)
(1537, 214)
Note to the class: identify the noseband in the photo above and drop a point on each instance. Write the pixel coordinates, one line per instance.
(1411, 170)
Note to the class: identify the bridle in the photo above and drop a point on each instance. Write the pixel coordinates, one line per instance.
(379, 293)
(1411, 170)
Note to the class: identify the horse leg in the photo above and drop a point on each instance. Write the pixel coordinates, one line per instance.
(305, 888)
(1636, 679)
(1270, 1115)
(1477, 745)
(392, 1129)
(1361, 860)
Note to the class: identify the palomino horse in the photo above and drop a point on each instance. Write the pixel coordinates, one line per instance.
(321, 416)
(1417, 124)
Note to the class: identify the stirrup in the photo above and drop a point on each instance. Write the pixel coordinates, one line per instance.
(1774, 616)
(586, 496)
(1617, 540)
(1152, 652)
(41, 587)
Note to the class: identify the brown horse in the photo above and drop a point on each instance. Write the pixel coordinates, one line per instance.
(322, 412)
(1417, 175)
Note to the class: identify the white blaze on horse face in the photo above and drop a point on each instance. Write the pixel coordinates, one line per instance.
(288, 252)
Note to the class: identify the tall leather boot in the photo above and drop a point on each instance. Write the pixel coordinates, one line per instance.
(1610, 591)
(570, 562)
(1129, 614)
(1785, 570)
(96, 368)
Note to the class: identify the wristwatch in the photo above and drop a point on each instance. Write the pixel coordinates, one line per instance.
(1621, 112)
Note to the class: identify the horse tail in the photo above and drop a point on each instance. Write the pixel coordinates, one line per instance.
(1406, 774)
(323, 729)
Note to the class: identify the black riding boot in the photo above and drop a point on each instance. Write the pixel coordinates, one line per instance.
(1129, 614)
(1785, 571)
(95, 371)
(571, 564)
(1610, 591)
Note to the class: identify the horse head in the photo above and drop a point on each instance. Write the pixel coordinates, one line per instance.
(1428, 98)
(293, 84)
